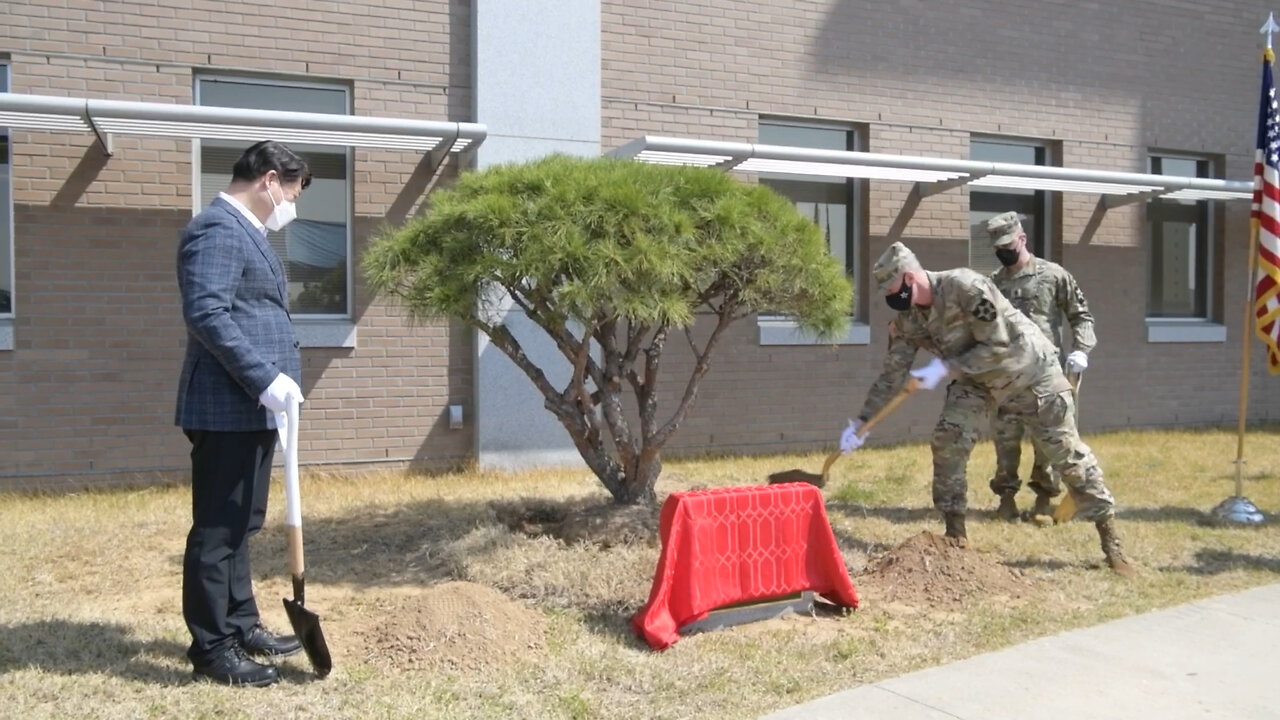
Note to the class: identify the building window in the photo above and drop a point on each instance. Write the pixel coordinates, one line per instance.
(6, 212)
(1179, 253)
(1031, 205)
(828, 201)
(316, 247)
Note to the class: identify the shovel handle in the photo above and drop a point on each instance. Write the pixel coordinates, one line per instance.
(911, 386)
(292, 498)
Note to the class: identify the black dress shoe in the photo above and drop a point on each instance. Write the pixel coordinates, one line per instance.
(233, 667)
(260, 641)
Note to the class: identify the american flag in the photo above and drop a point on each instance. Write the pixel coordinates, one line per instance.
(1266, 216)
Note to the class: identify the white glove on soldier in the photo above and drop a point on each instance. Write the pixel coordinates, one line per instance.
(1077, 362)
(931, 375)
(849, 440)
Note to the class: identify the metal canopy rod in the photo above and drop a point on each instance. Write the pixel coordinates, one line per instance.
(1042, 176)
(927, 189)
(150, 118)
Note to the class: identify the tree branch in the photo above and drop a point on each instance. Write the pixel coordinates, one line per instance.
(507, 343)
(611, 391)
(701, 366)
(646, 395)
(538, 309)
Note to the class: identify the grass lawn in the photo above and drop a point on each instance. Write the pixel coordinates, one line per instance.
(435, 609)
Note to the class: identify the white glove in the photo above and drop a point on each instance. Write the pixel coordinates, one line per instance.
(273, 397)
(849, 440)
(931, 375)
(1077, 362)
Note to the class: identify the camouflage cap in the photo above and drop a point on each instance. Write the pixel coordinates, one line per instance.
(1004, 228)
(896, 260)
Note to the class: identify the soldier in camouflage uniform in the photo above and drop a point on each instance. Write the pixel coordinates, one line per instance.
(1047, 294)
(998, 358)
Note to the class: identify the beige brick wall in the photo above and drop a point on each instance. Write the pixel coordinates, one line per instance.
(1103, 84)
(88, 391)
(90, 386)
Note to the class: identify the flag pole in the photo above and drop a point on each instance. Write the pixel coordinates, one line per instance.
(1244, 372)
(1237, 509)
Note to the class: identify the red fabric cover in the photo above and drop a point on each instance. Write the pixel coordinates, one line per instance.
(740, 544)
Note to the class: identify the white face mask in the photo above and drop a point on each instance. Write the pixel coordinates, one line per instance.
(283, 212)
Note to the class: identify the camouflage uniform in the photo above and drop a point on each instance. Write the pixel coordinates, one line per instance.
(1004, 361)
(1047, 294)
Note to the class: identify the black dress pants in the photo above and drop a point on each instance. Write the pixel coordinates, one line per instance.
(230, 476)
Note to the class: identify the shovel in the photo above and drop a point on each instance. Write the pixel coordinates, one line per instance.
(786, 476)
(306, 624)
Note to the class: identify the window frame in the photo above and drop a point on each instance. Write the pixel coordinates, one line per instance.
(6, 318)
(781, 329)
(1207, 327)
(1042, 241)
(349, 169)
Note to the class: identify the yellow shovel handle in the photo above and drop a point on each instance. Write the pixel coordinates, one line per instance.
(911, 386)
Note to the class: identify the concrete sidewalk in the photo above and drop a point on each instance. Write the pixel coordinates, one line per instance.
(1217, 658)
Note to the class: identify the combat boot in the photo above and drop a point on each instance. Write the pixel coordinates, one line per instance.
(1008, 509)
(1116, 560)
(955, 529)
(1043, 506)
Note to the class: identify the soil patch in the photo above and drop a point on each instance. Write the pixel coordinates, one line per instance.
(603, 525)
(456, 626)
(927, 570)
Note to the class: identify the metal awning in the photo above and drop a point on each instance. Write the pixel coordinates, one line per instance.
(108, 117)
(932, 175)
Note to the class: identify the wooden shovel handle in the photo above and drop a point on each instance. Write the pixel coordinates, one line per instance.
(911, 386)
(293, 543)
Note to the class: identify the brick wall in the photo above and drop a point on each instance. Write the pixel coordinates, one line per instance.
(88, 391)
(90, 385)
(1103, 84)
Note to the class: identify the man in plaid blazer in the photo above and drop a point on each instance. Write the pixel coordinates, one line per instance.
(242, 361)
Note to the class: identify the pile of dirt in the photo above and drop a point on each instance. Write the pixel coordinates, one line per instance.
(927, 570)
(456, 626)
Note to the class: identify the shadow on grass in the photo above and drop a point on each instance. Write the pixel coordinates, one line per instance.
(409, 544)
(1164, 513)
(900, 515)
(848, 541)
(66, 647)
(1044, 564)
(615, 626)
(1214, 562)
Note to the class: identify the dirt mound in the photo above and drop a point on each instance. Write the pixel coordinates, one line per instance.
(927, 570)
(456, 626)
(582, 521)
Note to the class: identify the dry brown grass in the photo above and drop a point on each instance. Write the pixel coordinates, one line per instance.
(90, 622)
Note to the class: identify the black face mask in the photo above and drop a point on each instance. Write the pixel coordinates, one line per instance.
(1008, 257)
(900, 300)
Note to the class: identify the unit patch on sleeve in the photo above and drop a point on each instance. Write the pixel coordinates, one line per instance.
(984, 310)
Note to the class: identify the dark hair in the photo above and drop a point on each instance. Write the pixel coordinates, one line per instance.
(263, 157)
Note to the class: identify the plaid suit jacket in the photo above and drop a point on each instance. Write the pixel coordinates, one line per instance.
(235, 301)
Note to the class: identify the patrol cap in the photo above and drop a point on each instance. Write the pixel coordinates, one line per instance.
(1004, 228)
(896, 260)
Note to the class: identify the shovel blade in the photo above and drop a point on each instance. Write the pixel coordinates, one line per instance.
(790, 476)
(306, 625)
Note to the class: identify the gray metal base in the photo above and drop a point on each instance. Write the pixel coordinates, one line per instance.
(1237, 510)
(753, 612)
